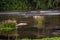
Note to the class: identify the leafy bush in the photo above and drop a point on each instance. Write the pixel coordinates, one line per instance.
(6, 27)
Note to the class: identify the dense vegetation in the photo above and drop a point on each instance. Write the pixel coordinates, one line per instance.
(24, 5)
(7, 27)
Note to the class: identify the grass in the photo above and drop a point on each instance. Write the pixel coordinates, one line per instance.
(53, 38)
(7, 27)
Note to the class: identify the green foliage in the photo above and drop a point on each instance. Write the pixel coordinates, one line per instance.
(25, 5)
(50, 3)
(52, 38)
(6, 27)
(40, 22)
(15, 5)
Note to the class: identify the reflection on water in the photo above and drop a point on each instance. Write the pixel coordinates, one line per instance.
(28, 27)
